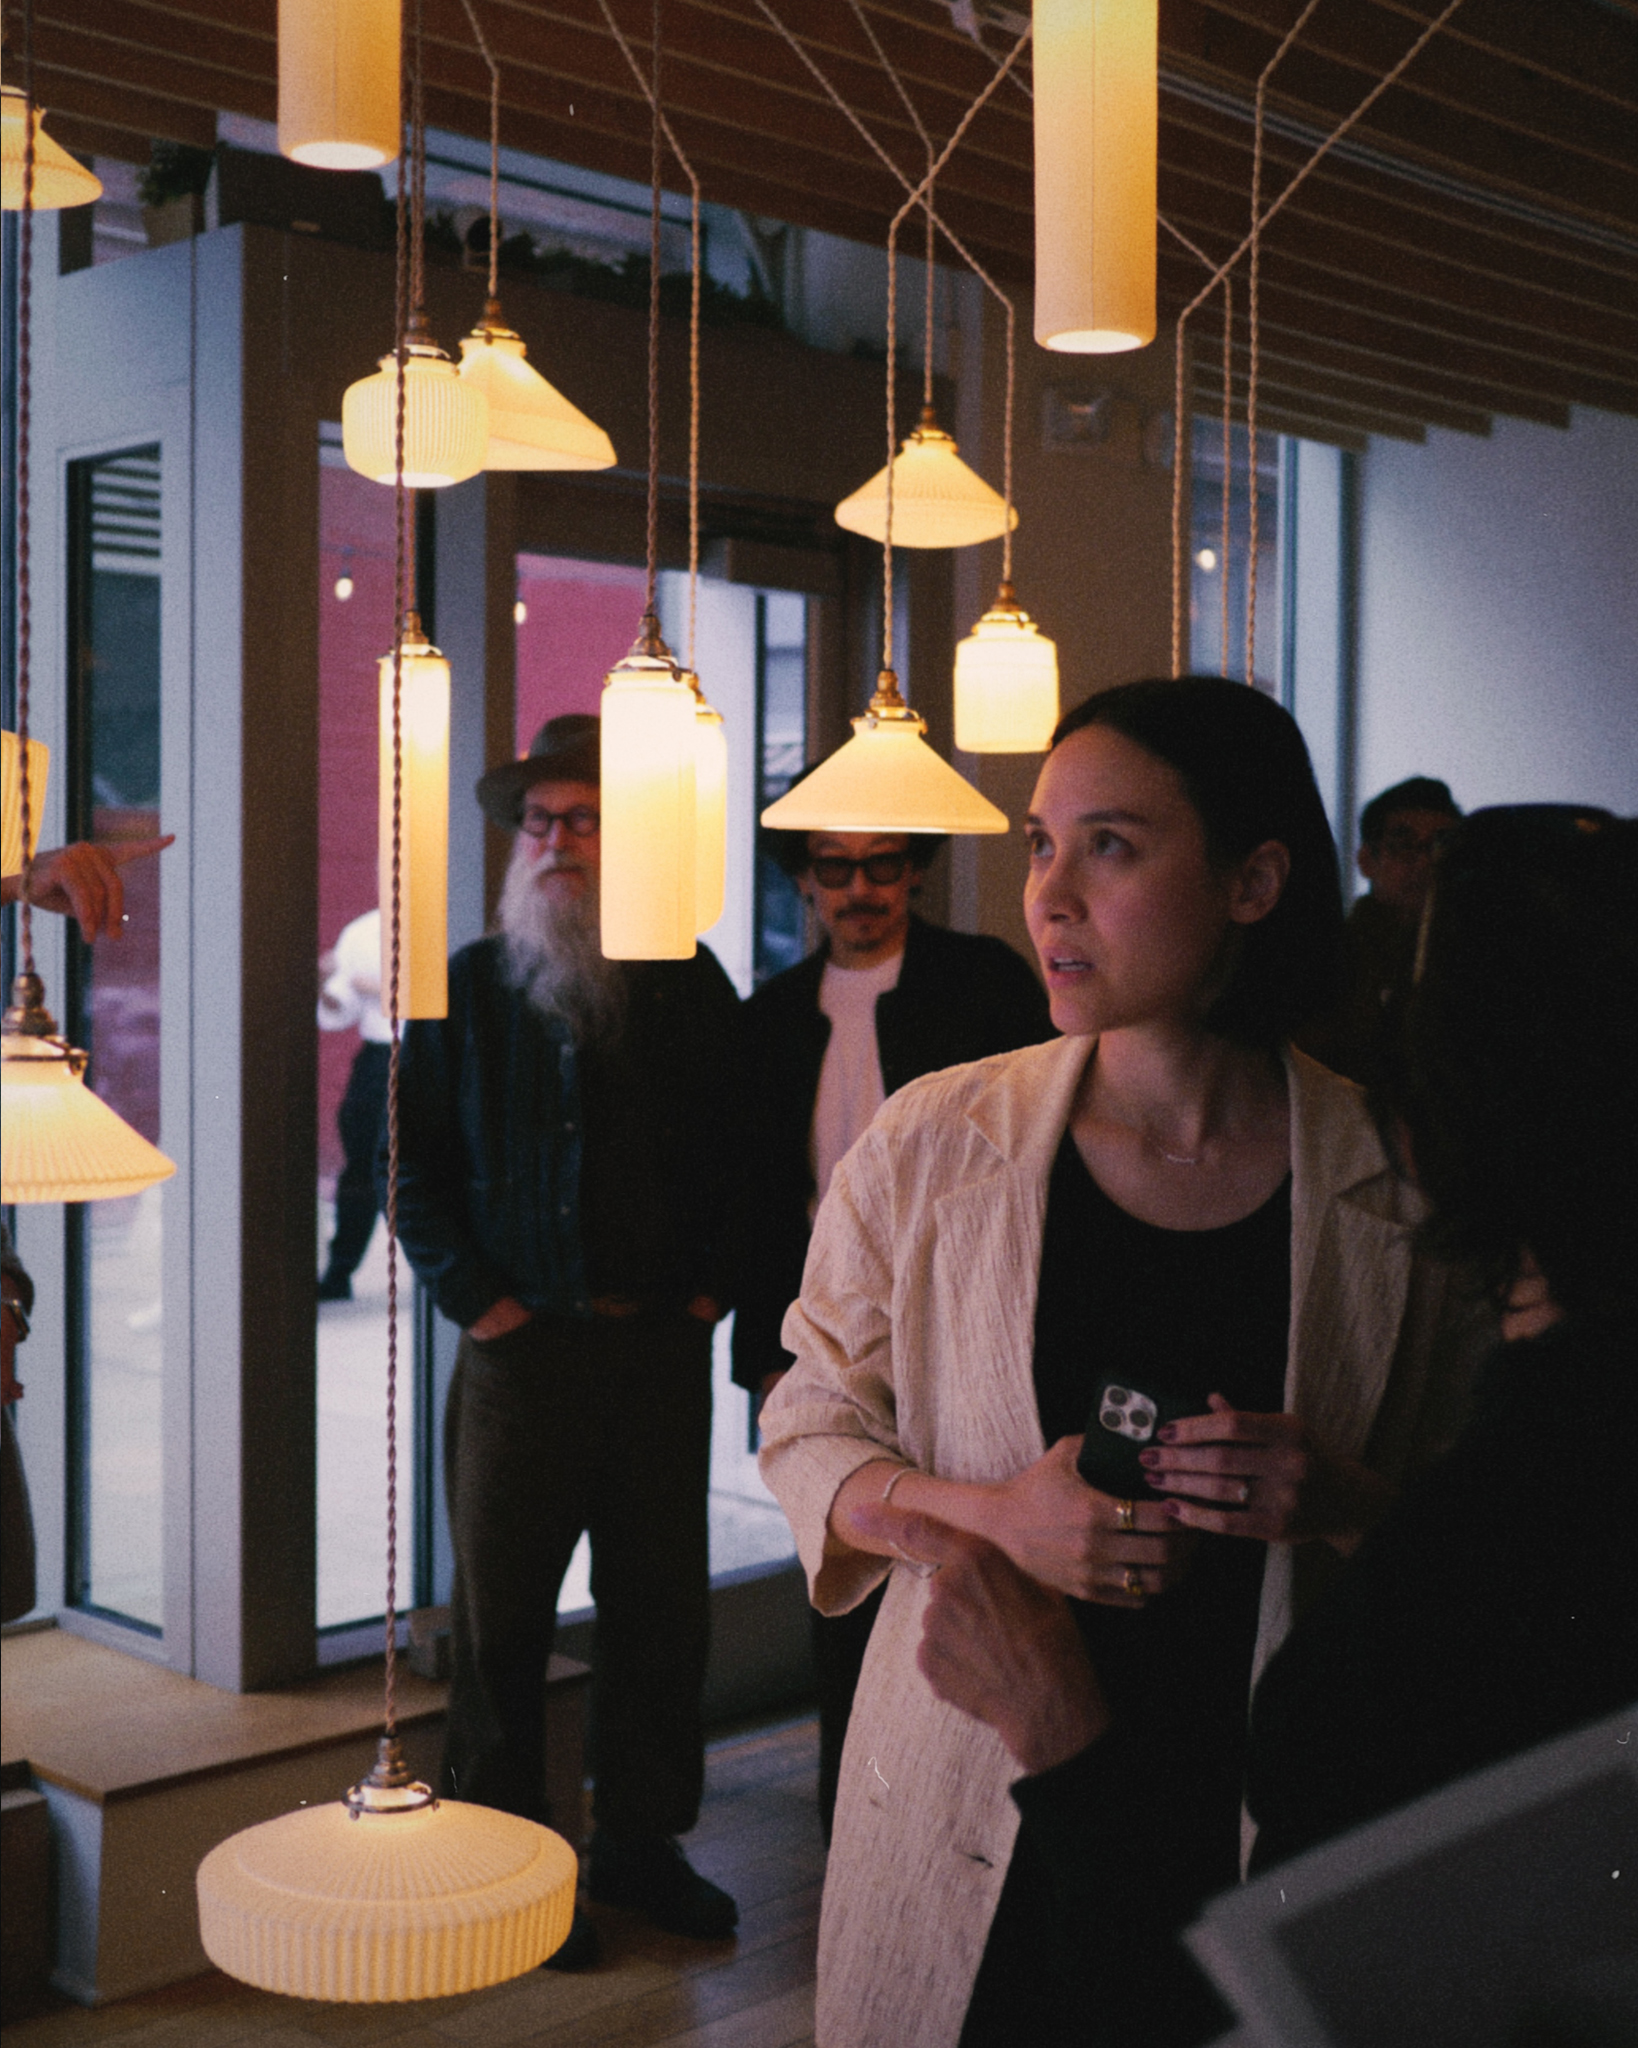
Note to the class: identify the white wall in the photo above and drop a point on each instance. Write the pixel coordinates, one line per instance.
(1499, 613)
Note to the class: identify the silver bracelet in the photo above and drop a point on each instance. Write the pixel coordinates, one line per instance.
(903, 1472)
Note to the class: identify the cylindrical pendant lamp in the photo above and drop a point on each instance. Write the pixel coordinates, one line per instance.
(446, 421)
(648, 859)
(1096, 129)
(885, 779)
(1006, 683)
(11, 782)
(423, 869)
(938, 501)
(338, 83)
(710, 809)
(58, 180)
(531, 424)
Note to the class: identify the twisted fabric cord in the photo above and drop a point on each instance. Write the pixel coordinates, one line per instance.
(654, 323)
(25, 293)
(494, 150)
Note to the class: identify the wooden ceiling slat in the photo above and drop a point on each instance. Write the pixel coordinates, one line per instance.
(121, 106)
(1576, 44)
(97, 138)
(140, 27)
(109, 68)
(1287, 383)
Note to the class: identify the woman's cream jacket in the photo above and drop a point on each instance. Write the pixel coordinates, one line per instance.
(914, 1340)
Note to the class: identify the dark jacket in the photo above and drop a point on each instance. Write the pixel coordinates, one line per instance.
(959, 997)
(491, 1123)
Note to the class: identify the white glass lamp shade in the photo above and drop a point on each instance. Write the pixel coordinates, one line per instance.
(446, 422)
(1006, 683)
(11, 826)
(61, 1143)
(531, 424)
(388, 1906)
(58, 179)
(885, 779)
(423, 866)
(648, 858)
(938, 501)
(338, 83)
(1096, 129)
(710, 815)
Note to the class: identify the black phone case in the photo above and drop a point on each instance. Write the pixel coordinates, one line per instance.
(1124, 1422)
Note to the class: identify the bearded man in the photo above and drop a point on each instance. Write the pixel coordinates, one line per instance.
(564, 1146)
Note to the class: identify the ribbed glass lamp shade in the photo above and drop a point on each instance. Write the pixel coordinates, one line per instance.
(386, 1907)
(648, 858)
(58, 179)
(446, 422)
(531, 424)
(58, 1141)
(338, 83)
(423, 865)
(885, 779)
(11, 781)
(1006, 683)
(1096, 127)
(938, 502)
(710, 814)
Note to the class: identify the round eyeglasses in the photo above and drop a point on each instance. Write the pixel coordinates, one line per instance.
(582, 821)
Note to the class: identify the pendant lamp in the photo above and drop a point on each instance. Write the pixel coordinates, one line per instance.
(710, 809)
(338, 83)
(531, 424)
(885, 779)
(1006, 683)
(391, 1894)
(11, 782)
(58, 180)
(938, 501)
(647, 744)
(1096, 128)
(421, 749)
(446, 418)
(58, 1141)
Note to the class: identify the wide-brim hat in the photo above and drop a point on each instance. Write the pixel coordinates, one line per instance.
(564, 750)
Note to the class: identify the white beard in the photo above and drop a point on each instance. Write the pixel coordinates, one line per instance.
(553, 952)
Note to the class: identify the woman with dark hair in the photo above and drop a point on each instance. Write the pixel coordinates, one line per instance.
(1166, 1197)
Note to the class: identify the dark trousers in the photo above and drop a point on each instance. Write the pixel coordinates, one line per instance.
(839, 1645)
(560, 1427)
(359, 1119)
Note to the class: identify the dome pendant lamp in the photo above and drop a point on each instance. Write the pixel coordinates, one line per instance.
(886, 778)
(648, 743)
(391, 1893)
(58, 1141)
(58, 180)
(1096, 132)
(338, 83)
(531, 424)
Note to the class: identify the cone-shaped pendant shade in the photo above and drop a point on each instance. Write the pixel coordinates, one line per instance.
(60, 1142)
(531, 424)
(885, 779)
(389, 1906)
(938, 502)
(647, 747)
(423, 867)
(1096, 128)
(1006, 683)
(58, 179)
(710, 809)
(11, 829)
(338, 83)
(446, 422)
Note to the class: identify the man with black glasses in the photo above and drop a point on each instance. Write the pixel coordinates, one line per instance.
(564, 1145)
(885, 998)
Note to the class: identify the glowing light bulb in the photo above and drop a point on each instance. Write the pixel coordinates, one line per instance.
(1206, 558)
(344, 588)
(520, 612)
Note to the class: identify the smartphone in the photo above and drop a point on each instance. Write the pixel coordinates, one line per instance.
(1124, 1422)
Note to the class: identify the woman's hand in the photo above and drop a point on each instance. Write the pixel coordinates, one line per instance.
(995, 1644)
(1230, 1473)
(1069, 1537)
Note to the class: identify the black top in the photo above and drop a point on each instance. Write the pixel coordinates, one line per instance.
(1494, 1609)
(1196, 1312)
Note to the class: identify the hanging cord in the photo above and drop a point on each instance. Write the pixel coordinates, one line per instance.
(1228, 480)
(1180, 417)
(494, 153)
(1349, 121)
(25, 286)
(654, 323)
(692, 176)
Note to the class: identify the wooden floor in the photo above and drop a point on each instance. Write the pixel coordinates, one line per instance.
(758, 1836)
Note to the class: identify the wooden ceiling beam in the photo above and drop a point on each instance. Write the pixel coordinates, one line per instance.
(1281, 381)
(121, 106)
(1576, 44)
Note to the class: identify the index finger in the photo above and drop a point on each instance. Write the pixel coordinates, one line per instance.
(121, 851)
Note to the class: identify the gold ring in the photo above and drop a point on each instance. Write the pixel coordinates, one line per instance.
(1133, 1583)
(1125, 1515)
